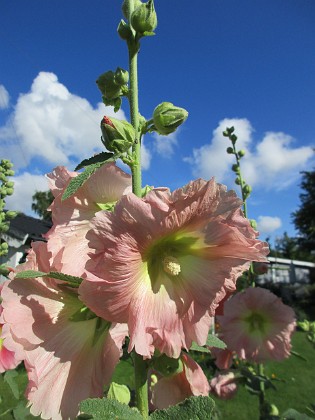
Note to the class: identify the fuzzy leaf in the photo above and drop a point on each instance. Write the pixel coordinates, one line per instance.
(79, 180)
(103, 408)
(100, 157)
(196, 347)
(193, 408)
(32, 274)
(214, 341)
(29, 274)
(292, 414)
(124, 374)
(9, 378)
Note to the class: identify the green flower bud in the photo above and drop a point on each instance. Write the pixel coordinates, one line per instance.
(143, 18)
(167, 117)
(273, 410)
(124, 30)
(10, 191)
(253, 223)
(241, 153)
(237, 181)
(230, 150)
(10, 172)
(4, 246)
(167, 366)
(118, 136)
(247, 189)
(4, 227)
(3, 178)
(233, 138)
(124, 7)
(235, 168)
(108, 86)
(121, 76)
(11, 214)
(9, 184)
(6, 163)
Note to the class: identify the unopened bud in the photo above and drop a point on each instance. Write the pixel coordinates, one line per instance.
(121, 76)
(273, 410)
(118, 136)
(230, 150)
(124, 30)
(247, 189)
(10, 191)
(10, 172)
(167, 117)
(10, 214)
(237, 181)
(107, 85)
(143, 18)
(241, 153)
(9, 184)
(125, 7)
(235, 168)
(4, 227)
(253, 223)
(233, 138)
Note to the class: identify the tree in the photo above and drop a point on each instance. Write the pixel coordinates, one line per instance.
(41, 201)
(303, 218)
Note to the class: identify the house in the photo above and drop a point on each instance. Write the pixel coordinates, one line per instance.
(23, 230)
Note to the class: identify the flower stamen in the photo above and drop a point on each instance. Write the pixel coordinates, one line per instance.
(171, 266)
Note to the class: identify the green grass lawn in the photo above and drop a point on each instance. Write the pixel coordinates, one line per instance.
(298, 390)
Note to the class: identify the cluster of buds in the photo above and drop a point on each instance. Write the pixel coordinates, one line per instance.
(143, 20)
(6, 189)
(117, 135)
(246, 189)
(113, 86)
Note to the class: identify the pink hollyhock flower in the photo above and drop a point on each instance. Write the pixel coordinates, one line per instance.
(223, 358)
(224, 386)
(71, 217)
(257, 325)
(8, 359)
(69, 353)
(163, 262)
(174, 389)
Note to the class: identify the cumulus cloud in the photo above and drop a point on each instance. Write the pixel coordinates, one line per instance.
(4, 97)
(268, 224)
(25, 186)
(272, 162)
(145, 157)
(52, 124)
(164, 145)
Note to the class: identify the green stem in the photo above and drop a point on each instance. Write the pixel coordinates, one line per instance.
(262, 392)
(141, 385)
(140, 366)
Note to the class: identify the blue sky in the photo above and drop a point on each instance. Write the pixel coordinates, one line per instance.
(246, 63)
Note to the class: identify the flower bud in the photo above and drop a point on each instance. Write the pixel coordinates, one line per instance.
(107, 85)
(235, 168)
(247, 189)
(9, 191)
(237, 181)
(143, 18)
(233, 138)
(124, 7)
(11, 214)
(124, 30)
(167, 366)
(167, 117)
(9, 184)
(4, 227)
(253, 223)
(241, 153)
(230, 150)
(10, 172)
(121, 76)
(118, 136)
(4, 246)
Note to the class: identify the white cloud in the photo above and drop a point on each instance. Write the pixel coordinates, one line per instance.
(4, 97)
(145, 157)
(268, 224)
(51, 123)
(164, 145)
(270, 163)
(25, 186)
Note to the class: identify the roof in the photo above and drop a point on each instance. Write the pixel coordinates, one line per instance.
(26, 226)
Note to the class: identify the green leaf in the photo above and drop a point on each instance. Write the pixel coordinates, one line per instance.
(9, 378)
(103, 408)
(196, 347)
(100, 157)
(119, 393)
(214, 341)
(79, 180)
(292, 414)
(124, 374)
(193, 408)
(32, 274)
(29, 274)
(21, 412)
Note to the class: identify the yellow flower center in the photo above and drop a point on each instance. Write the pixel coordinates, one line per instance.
(171, 266)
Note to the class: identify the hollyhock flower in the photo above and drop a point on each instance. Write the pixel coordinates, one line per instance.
(257, 325)
(69, 353)
(174, 389)
(71, 216)
(224, 386)
(163, 262)
(8, 359)
(223, 357)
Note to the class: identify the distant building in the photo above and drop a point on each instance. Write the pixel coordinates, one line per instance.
(281, 270)
(23, 230)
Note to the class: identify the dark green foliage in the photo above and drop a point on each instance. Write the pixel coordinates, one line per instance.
(41, 201)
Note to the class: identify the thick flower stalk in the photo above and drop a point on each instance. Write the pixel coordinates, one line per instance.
(257, 326)
(71, 217)
(174, 389)
(162, 263)
(69, 353)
